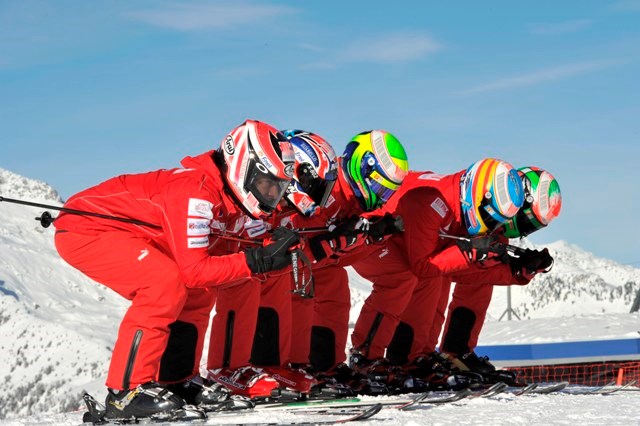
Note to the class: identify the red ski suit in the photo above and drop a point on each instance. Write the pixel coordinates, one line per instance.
(233, 327)
(265, 324)
(321, 324)
(425, 314)
(165, 270)
(400, 270)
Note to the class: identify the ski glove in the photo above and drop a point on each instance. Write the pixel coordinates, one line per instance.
(479, 249)
(346, 235)
(531, 262)
(380, 227)
(273, 256)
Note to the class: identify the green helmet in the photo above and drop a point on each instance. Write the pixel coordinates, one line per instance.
(374, 164)
(542, 203)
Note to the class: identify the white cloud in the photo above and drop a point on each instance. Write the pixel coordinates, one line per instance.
(390, 48)
(541, 76)
(199, 16)
(560, 27)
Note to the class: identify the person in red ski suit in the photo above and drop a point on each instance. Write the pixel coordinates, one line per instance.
(473, 290)
(163, 265)
(467, 205)
(273, 345)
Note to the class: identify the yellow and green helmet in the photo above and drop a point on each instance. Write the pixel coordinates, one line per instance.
(375, 164)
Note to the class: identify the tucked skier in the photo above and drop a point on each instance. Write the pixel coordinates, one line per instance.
(319, 185)
(473, 290)
(468, 204)
(166, 270)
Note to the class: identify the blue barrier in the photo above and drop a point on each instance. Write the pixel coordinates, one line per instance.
(579, 350)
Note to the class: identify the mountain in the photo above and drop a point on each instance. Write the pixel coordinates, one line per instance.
(58, 326)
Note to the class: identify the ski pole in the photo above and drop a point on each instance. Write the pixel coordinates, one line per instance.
(46, 219)
(518, 251)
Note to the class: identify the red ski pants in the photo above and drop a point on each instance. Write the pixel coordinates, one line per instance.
(233, 328)
(393, 285)
(321, 324)
(139, 271)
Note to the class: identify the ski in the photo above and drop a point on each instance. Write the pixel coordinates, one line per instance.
(607, 389)
(589, 390)
(490, 391)
(96, 415)
(550, 388)
(525, 390)
(399, 404)
(360, 415)
(425, 400)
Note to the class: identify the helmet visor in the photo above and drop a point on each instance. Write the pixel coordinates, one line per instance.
(316, 188)
(525, 223)
(267, 188)
(489, 216)
(381, 187)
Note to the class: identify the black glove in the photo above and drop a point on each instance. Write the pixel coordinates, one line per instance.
(341, 237)
(531, 262)
(272, 256)
(386, 225)
(350, 226)
(478, 249)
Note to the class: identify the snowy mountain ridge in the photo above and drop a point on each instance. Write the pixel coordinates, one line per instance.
(58, 326)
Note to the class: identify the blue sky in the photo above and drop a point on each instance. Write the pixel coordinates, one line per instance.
(93, 89)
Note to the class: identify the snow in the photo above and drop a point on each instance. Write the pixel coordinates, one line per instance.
(58, 327)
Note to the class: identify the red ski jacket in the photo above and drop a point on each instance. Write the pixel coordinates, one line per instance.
(429, 204)
(185, 204)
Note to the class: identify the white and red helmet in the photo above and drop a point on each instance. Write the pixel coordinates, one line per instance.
(316, 171)
(258, 166)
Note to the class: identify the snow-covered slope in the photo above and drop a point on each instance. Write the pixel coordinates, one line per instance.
(58, 326)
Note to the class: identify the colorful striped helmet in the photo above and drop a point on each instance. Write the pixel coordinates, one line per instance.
(258, 166)
(491, 193)
(542, 203)
(374, 164)
(316, 171)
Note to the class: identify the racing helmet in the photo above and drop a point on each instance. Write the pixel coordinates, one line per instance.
(491, 193)
(542, 203)
(316, 171)
(258, 166)
(374, 164)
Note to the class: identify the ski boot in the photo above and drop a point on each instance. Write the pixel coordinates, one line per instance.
(250, 382)
(293, 383)
(470, 362)
(439, 374)
(382, 371)
(342, 381)
(149, 400)
(209, 396)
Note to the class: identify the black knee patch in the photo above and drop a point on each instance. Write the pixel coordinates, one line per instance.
(179, 357)
(323, 353)
(266, 342)
(459, 332)
(400, 347)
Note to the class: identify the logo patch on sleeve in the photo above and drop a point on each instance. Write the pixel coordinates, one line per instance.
(440, 207)
(197, 242)
(200, 208)
(197, 227)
